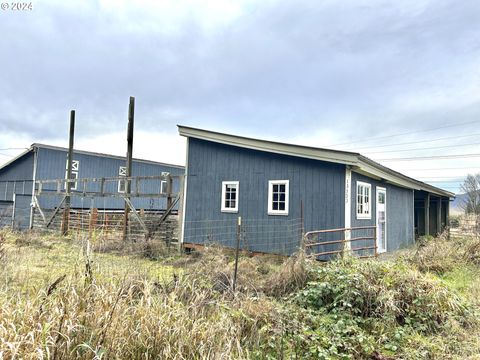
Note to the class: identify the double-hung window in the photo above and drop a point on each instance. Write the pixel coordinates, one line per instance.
(364, 204)
(278, 197)
(230, 191)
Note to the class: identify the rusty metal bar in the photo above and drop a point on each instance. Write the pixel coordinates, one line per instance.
(339, 229)
(339, 241)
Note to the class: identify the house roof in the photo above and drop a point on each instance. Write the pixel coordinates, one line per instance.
(358, 162)
(75, 151)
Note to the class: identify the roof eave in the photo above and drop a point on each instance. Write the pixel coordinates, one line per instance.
(11, 161)
(358, 161)
(334, 156)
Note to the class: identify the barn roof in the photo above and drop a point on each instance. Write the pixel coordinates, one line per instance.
(75, 151)
(358, 162)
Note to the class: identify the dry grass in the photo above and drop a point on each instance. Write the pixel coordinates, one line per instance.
(60, 301)
(129, 308)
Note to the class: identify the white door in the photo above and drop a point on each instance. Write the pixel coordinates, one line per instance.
(381, 219)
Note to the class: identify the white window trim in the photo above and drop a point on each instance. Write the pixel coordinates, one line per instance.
(163, 186)
(237, 185)
(377, 190)
(74, 177)
(122, 172)
(75, 169)
(270, 196)
(364, 216)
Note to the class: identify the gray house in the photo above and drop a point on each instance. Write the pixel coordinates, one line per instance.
(45, 162)
(281, 191)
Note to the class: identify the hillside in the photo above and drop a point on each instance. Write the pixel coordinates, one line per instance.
(456, 206)
(60, 300)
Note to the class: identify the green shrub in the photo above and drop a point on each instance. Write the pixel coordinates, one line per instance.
(393, 292)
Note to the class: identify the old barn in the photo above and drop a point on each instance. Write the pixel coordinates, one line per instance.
(46, 162)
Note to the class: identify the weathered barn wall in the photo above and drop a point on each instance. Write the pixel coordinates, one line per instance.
(6, 211)
(17, 177)
(319, 184)
(52, 165)
(399, 205)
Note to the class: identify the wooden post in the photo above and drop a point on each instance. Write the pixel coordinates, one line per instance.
(447, 216)
(302, 227)
(239, 228)
(439, 215)
(93, 221)
(180, 212)
(427, 214)
(169, 190)
(131, 111)
(69, 173)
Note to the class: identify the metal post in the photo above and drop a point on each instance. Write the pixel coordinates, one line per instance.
(239, 228)
(131, 111)
(69, 173)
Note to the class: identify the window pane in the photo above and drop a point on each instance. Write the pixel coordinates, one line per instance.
(282, 188)
(275, 197)
(275, 205)
(281, 206)
(282, 197)
(275, 188)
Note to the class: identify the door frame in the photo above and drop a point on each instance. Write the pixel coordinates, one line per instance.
(377, 240)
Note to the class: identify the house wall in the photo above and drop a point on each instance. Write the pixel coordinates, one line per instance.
(51, 164)
(320, 185)
(400, 217)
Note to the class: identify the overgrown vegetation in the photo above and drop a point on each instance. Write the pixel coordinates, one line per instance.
(421, 305)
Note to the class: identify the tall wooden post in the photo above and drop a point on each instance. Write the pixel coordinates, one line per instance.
(427, 214)
(131, 111)
(439, 216)
(69, 174)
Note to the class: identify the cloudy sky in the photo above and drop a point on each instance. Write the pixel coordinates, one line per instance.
(391, 79)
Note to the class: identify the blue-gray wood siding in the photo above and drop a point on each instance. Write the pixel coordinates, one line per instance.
(6, 209)
(22, 211)
(399, 205)
(17, 177)
(51, 164)
(320, 185)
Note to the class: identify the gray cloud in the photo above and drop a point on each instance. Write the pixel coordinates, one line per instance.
(282, 68)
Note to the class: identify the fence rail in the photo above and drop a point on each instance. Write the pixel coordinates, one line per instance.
(313, 246)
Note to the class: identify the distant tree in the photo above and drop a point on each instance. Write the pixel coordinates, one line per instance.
(471, 188)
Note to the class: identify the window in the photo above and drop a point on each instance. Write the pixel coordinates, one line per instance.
(230, 196)
(364, 205)
(163, 187)
(122, 172)
(163, 183)
(278, 197)
(75, 169)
